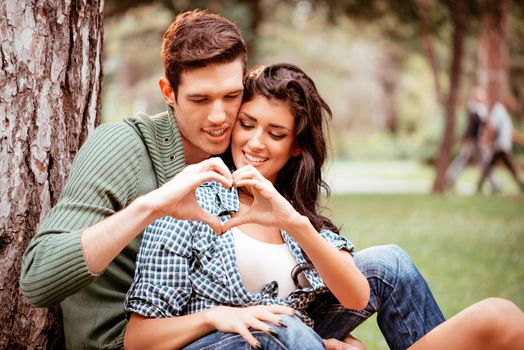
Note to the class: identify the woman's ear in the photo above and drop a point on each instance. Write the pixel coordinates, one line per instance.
(296, 151)
(167, 91)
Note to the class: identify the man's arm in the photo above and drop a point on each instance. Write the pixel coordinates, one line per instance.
(89, 227)
(103, 180)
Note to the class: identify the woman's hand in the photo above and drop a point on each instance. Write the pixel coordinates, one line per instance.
(349, 343)
(176, 197)
(269, 207)
(239, 319)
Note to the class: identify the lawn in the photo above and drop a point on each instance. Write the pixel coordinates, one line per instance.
(467, 247)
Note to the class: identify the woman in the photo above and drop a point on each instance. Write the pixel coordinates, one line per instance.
(271, 263)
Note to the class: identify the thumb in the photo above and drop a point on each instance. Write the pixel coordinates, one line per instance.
(236, 221)
(210, 219)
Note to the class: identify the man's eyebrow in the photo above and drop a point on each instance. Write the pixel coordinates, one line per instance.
(276, 126)
(237, 91)
(197, 94)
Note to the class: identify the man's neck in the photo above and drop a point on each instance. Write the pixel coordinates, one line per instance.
(192, 154)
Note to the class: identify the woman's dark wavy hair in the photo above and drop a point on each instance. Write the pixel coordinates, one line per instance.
(300, 180)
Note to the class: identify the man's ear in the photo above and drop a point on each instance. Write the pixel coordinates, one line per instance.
(296, 151)
(167, 91)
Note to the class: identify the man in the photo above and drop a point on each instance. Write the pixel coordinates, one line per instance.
(472, 147)
(130, 173)
(499, 137)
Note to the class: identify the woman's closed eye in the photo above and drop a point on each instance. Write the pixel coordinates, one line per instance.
(277, 135)
(245, 124)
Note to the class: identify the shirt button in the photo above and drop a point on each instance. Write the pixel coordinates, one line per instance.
(172, 157)
(211, 250)
(166, 140)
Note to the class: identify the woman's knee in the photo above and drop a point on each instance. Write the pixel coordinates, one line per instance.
(497, 317)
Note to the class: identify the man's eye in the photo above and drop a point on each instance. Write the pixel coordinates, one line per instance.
(199, 100)
(232, 97)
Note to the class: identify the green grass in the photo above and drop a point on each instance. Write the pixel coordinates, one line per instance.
(467, 247)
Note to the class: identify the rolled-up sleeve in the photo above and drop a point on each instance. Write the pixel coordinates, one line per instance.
(162, 287)
(338, 241)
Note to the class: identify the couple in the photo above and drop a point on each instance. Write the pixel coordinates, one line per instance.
(130, 174)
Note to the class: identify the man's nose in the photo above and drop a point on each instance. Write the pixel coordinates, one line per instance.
(217, 114)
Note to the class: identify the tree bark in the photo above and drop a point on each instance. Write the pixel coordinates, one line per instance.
(50, 80)
(494, 52)
(459, 11)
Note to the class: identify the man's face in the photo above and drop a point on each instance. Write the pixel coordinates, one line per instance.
(206, 108)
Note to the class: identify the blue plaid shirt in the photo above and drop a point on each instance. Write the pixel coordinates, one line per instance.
(184, 267)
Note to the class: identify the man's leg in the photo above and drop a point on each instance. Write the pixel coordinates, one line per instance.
(486, 170)
(482, 157)
(405, 305)
(459, 163)
(506, 159)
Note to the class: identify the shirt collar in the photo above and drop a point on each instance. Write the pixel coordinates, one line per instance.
(226, 199)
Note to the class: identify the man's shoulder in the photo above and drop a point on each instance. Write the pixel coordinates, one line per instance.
(142, 121)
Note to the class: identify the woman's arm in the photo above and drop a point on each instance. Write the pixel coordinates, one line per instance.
(336, 267)
(177, 332)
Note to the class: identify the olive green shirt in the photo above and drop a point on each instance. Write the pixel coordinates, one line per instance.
(118, 163)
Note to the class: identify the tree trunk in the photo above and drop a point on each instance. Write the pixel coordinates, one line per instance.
(459, 11)
(50, 81)
(493, 52)
(423, 7)
(388, 77)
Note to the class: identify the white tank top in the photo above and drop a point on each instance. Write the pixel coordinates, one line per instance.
(260, 263)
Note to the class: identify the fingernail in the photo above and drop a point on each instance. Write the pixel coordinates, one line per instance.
(258, 345)
(272, 331)
(281, 323)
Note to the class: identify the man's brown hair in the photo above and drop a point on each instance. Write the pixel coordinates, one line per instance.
(199, 38)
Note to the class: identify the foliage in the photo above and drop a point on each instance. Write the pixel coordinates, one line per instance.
(353, 49)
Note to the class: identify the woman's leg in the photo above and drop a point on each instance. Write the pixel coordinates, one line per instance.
(296, 335)
(489, 324)
(399, 294)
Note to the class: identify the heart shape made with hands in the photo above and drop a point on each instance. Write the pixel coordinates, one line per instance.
(267, 207)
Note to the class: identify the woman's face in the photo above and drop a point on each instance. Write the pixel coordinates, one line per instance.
(264, 136)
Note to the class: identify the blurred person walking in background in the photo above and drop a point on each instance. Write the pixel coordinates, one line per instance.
(499, 138)
(472, 147)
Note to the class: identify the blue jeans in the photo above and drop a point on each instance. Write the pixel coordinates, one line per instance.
(405, 307)
(295, 336)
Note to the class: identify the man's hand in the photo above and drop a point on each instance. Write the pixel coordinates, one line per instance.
(176, 198)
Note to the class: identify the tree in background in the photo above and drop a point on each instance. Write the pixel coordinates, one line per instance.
(50, 81)
(492, 72)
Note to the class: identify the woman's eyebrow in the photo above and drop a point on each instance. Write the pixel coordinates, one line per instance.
(276, 126)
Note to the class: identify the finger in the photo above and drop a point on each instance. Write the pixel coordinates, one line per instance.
(218, 165)
(247, 172)
(246, 334)
(262, 326)
(255, 184)
(236, 221)
(211, 175)
(281, 309)
(210, 219)
(274, 315)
